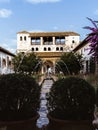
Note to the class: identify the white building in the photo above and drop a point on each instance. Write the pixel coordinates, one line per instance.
(6, 61)
(49, 46)
(84, 49)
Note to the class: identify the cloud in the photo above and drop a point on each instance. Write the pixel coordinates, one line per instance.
(4, 1)
(12, 50)
(42, 1)
(4, 13)
(55, 28)
(10, 47)
(96, 12)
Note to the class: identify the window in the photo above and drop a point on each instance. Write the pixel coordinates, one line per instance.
(57, 40)
(61, 48)
(22, 53)
(57, 48)
(25, 38)
(3, 62)
(73, 41)
(35, 41)
(47, 41)
(32, 49)
(60, 40)
(20, 38)
(49, 49)
(36, 48)
(45, 49)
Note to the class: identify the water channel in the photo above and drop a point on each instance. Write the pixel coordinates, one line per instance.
(43, 120)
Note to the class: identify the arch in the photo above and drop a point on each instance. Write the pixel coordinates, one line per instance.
(36, 48)
(46, 65)
(73, 41)
(45, 48)
(32, 49)
(49, 49)
(57, 48)
(3, 62)
(61, 48)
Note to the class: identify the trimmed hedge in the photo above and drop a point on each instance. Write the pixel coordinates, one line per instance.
(19, 97)
(71, 98)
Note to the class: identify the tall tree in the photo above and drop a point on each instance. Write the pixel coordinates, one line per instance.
(26, 63)
(70, 63)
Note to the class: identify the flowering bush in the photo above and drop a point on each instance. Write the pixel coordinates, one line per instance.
(92, 38)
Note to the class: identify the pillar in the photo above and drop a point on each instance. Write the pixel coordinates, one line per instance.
(53, 40)
(42, 70)
(41, 38)
(54, 66)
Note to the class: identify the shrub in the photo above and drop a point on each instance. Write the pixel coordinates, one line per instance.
(19, 97)
(97, 98)
(71, 98)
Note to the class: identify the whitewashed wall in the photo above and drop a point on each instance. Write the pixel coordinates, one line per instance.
(5, 63)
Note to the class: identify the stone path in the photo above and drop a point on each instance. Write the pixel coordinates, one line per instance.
(43, 120)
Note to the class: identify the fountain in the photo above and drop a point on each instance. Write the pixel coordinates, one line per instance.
(77, 59)
(20, 64)
(22, 59)
(59, 67)
(39, 63)
(65, 66)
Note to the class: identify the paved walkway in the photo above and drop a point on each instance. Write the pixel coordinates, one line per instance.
(43, 120)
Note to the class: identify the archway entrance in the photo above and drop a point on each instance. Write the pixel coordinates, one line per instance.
(48, 66)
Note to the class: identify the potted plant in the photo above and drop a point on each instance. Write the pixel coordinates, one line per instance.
(71, 104)
(19, 102)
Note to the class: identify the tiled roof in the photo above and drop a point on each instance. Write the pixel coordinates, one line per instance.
(54, 34)
(22, 32)
(51, 33)
(6, 51)
(79, 46)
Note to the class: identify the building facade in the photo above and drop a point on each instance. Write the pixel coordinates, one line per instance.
(49, 46)
(6, 61)
(83, 48)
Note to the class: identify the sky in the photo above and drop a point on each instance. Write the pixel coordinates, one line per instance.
(44, 15)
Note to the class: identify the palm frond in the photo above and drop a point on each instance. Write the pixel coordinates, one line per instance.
(90, 28)
(93, 22)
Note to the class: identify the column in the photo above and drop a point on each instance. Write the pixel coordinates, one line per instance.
(30, 41)
(54, 62)
(42, 70)
(41, 39)
(53, 40)
(65, 40)
(6, 65)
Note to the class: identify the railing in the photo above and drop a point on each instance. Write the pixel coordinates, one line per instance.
(35, 43)
(59, 43)
(48, 43)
